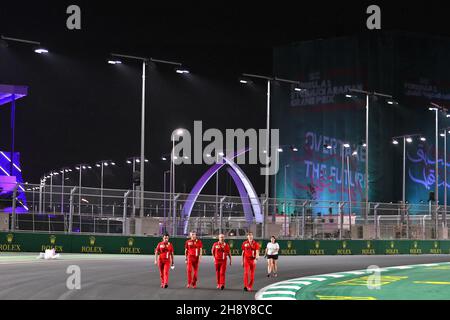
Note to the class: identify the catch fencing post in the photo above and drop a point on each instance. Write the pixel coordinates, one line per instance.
(14, 202)
(221, 214)
(375, 220)
(124, 217)
(72, 192)
(304, 204)
(174, 218)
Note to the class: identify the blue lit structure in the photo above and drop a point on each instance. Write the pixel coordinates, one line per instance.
(10, 161)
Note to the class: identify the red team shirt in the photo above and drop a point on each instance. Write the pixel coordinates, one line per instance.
(164, 250)
(250, 249)
(193, 247)
(221, 252)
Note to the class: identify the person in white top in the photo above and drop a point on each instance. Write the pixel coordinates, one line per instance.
(271, 254)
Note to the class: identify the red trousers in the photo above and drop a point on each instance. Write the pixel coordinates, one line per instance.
(164, 267)
(192, 270)
(221, 268)
(249, 273)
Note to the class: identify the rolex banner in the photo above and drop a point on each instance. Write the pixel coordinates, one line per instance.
(36, 242)
(323, 124)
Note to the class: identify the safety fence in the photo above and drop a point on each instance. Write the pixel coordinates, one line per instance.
(38, 242)
(71, 209)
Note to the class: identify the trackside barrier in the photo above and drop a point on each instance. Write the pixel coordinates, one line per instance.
(65, 243)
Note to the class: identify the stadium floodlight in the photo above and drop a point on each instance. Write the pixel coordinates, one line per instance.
(40, 50)
(269, 80)
(182, 71)
(145, 62)
(102, 164)
(367, 95)
(409, 140)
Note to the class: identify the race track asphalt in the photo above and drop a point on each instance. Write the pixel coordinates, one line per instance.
(22, 276)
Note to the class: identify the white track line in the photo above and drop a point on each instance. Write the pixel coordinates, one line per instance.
(306, 283)
(315, 278)
(286, 284)
(286, 287)
(399, 268)
(280, 298)
(290, 293)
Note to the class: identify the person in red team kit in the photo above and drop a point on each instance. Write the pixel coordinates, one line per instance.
(193, 252)
(164, 251)
(250, 256)
(221, 251)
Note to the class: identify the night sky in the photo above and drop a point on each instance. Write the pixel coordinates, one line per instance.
(81, 110)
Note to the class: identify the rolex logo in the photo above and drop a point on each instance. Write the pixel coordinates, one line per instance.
(368, 244)
(317, 244)
(9, 238)
(231, 244)
(92, 241)
(130, 242)
(344, 244)
(289, 244)
(436, 244)
(392, 244)
(415, 244)
(52, 239)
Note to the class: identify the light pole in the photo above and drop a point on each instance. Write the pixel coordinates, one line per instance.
(63, 177)
(344, 146)
(368, 94)
(296, 86)
(277, 154)
(102, 164)
(444, 215)
(176, 133)
(285, 199)
(165, 196)
(354, 154)
(408, 138)
(133, 161)
(80, 169)
(145, 61)
(39, 50)
(52, 173)
(436, 109)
